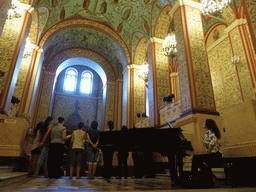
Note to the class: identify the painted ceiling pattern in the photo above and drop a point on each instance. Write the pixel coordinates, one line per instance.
(123, 17)
(86, 38)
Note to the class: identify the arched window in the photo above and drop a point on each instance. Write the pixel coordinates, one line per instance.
(86, 82)
(70, 80)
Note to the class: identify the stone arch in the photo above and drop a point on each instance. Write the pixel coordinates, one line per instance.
(163, 23)
(90, 24)
(219, 27)
(70, 53)
(140, 51)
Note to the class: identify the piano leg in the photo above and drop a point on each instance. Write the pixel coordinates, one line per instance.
(172, 167)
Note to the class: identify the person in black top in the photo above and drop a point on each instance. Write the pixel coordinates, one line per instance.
(92, 149)
(108, 157)
(122, 159)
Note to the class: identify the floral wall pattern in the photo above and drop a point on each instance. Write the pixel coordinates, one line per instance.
(140, 53)
(242, 68)
(225, 81)
(8, 42)
(183, 74)
(110, 103)
(43, 14)
(251, 7)
(4, 6)
(106, 33)
(201, 73)
(163, 23)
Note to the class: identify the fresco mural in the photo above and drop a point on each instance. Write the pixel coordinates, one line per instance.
(84, 37)
(140, 53)
(136, 39)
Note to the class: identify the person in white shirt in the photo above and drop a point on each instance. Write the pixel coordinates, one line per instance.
(78, 139)
(211, 154)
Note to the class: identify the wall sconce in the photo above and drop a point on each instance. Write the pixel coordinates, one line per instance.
(15, 11)
(169, 98)
(235, 59)
(2, 73)
(28, 49)
(143, 73)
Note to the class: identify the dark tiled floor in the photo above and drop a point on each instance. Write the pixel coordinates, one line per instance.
(145, 184)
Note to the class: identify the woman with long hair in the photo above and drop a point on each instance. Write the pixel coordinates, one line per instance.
(212, 151)
(44, 142)
(35, 151)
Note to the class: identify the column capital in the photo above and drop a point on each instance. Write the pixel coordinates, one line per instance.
(131, 66)
(184, 2)
(154, 40)
(235, 24)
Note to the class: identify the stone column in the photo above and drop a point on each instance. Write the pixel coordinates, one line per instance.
(4, 7)
(195, 80)
(12, 42)
(126, 97)
(110, 102)
(30, 81)
(250, 14)
(118, 104)
(44, 96)
(158, 79)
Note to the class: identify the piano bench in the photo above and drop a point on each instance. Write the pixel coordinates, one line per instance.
(240, 171)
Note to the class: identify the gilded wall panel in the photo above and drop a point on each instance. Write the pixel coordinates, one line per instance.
(163, 82)
(45, 96)
(4, 6)
(110, 103)
(8, 42)
(163, 23)
(224, 77)
(137, 39)
(201, 78)
(140, 53)
(251, 6)
(242, 67)
(183, 71)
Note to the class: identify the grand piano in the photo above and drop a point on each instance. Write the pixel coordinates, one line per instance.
(169, 142)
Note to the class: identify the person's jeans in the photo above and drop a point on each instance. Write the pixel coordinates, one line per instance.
(43, 161)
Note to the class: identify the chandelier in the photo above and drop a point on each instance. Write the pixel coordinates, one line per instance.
(15, 11)
(169, 45)
(214, 7)
(143, 73)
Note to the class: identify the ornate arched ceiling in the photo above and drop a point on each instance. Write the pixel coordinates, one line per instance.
(73, 53)
(85, 38)
(122, 19)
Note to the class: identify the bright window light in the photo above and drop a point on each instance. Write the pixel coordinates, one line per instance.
(70, 80)
(86, 82)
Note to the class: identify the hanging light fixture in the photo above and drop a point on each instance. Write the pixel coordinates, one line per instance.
(15, 11)
(169, 45)
(143, 73)
(214, 7)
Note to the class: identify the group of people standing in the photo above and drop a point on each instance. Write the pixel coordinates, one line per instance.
(49, 142)
(48, 149)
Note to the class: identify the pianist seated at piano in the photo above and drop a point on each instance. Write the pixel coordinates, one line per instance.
(211, 154)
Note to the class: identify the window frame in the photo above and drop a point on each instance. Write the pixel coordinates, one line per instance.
(81, 82)
(65, 79)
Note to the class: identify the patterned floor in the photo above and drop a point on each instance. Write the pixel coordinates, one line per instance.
(64, 184)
